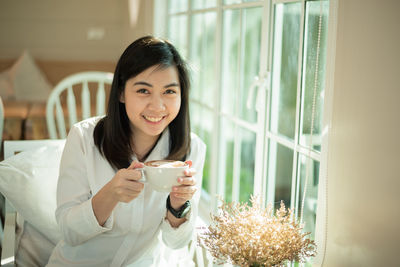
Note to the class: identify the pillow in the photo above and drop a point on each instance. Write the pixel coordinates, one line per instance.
(6, 90)
(28, 180)
(28, 82)
(33, 248)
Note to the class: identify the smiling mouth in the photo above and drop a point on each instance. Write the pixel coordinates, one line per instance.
(153, 119)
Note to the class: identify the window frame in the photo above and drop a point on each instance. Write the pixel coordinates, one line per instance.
(262, 126)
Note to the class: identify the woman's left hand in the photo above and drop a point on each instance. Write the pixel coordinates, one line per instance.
(185, 191)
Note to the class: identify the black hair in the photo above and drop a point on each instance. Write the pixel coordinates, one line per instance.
(112, 134)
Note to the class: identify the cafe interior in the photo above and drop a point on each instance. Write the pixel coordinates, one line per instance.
(297, 102)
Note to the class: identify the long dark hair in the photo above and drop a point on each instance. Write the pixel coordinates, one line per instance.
(112, 134)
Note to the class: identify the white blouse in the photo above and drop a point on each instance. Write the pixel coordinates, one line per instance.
(130, 234)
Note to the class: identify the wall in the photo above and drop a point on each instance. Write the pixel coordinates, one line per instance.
(56, 33)
(363, 165)
(58, 30)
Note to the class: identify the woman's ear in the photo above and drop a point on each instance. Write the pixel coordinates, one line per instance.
(122, 97)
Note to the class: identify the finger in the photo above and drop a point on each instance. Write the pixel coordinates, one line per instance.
(188, 180)
(134, 186)
(189, 162)
(133, 175)
(189, 172)
(184, 189)
(128, 195)
(135, 164)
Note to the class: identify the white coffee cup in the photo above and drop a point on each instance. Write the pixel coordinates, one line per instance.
(162, 175)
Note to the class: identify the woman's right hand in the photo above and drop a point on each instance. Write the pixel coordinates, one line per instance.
(124, 186)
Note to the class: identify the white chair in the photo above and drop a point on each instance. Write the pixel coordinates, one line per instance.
(79, 79)
(27, 175)
(1, 121)
(1, 136)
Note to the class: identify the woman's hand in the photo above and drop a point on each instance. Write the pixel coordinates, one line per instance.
(187, 188)
(123, 187)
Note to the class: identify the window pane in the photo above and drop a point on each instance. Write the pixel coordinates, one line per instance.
(202, 123)
(247, 158)
(285, 68)
(202, 57)
(230, 59)
(280, 168)
(199, 4)
(310, 203)
(177, 6)
(310, 55)
(250, 59)
(177, 33)
(226, 157)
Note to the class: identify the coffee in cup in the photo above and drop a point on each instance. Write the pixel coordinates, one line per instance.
(162, 175)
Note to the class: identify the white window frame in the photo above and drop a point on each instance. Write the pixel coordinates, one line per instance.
(261, 128)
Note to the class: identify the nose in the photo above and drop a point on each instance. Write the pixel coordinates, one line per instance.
(156, 103)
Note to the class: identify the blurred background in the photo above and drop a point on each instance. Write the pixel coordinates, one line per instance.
(44, 41)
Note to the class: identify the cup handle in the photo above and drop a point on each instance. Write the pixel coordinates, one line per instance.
(143, 179)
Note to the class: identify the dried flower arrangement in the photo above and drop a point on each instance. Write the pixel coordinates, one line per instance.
(253, 236)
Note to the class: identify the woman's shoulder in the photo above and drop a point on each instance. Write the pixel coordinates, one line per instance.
(196, 142)
(86, 127)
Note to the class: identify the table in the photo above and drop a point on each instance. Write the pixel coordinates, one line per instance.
(24, 120)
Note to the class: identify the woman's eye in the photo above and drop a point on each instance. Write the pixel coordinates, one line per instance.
(170, 91)
(142, 91)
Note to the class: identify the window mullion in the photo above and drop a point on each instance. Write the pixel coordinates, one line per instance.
(242, 5)
(294, 197)
(270, 19)
(260, 179)
(189, 25)
(284, 1)
(236, 150)
(217, 173)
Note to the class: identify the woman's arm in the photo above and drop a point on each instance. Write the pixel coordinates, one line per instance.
(176, 237)
(80, 216)
(122, 188)
(74, 212)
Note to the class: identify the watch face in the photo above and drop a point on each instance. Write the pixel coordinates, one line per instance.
(181, 212)
(185, 211)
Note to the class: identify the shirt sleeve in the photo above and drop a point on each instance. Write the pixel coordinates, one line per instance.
(179, 237)
(74, 213)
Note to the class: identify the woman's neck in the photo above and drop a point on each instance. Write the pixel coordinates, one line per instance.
(142, 145)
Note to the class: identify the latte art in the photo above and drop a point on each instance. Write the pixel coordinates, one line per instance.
(166, 163)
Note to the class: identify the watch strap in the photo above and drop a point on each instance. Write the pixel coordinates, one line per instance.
(181, 212)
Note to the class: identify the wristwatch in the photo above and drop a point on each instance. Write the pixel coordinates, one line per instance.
(180, 213)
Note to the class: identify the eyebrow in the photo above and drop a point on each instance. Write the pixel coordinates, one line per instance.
(147, 84)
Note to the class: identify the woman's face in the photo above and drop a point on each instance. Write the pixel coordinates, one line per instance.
(152, 100)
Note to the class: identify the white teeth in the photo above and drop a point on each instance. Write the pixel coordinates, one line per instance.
(153, 119)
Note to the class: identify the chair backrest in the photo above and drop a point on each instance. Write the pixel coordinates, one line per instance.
(54, 105)
(25, 176)
(1, 121)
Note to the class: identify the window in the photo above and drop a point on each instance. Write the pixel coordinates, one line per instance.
(255, 69)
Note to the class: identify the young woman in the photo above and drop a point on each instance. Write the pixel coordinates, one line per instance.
(106, 215)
